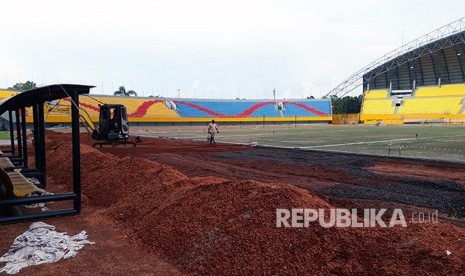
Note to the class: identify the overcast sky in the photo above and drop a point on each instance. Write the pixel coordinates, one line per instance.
(207, 49)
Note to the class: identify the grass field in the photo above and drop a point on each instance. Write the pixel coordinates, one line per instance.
(445, 142)
(430, 141)
(4, 135)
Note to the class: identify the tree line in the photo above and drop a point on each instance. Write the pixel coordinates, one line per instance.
(23, 86)
(347, 104)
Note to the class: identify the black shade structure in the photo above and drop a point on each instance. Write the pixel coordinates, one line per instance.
(15, 107)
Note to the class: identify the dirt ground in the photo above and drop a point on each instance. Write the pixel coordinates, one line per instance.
(350, 178)
(173, 207)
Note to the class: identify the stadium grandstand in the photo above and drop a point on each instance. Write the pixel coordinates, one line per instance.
(420, 82)
(176, 110)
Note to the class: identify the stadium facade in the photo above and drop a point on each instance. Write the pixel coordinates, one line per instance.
(146, 110)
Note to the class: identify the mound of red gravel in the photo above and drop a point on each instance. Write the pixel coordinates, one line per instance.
(106, 179)
(216, 226)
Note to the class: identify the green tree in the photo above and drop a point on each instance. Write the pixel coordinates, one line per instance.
(24, 86)
(122, 92)
(346, 105)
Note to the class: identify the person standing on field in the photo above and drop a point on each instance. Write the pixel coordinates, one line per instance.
(212, 128)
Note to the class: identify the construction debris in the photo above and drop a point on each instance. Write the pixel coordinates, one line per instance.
(41, 244)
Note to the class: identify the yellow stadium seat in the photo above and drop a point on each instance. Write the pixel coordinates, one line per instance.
(376, 94)
(378, 107)
(429, 102)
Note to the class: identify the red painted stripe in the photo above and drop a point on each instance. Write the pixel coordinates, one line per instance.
(142, 109)
(201, 108)
(84, 105)
(253, 108)
(308, 108)
(140, 112)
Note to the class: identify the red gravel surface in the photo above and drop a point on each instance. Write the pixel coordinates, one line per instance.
(174, 207)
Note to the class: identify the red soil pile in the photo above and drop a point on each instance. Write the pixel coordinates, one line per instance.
(215, 226)
(106, 179)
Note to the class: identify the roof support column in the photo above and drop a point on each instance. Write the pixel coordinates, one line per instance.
(436, 73)
(39, 139)
(76, 150)
(18, 133)
(421, 72)
(24, 136)
(460, 60)
(447, 65)
(12, 132)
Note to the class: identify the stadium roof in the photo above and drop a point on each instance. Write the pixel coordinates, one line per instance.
(435, 58)
(42, 94)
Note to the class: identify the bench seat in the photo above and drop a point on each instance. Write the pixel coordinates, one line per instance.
(6, 164)
(18, 183)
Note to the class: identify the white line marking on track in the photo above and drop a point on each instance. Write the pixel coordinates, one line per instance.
(381, 141)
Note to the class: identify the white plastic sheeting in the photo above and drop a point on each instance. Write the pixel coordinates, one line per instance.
(39, 245)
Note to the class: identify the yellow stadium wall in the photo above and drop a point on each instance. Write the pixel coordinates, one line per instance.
(341, 119)
(6, 94)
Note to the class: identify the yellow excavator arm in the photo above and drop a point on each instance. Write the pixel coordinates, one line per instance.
(56, 107)
(87, 122)
(84, 117)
